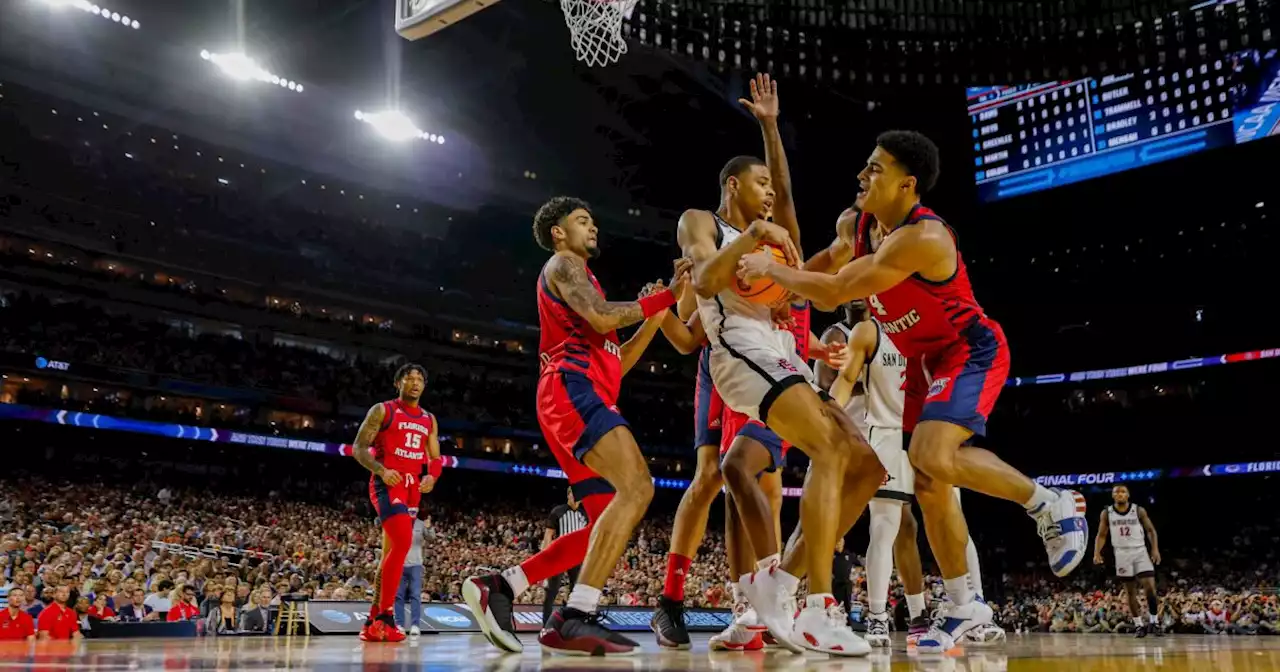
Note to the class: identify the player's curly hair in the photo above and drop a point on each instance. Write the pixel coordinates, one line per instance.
(737, 166)
(551, 214)
(407, 369)
(917, 154)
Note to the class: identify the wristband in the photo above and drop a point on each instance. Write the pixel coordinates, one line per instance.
(435, 465)
(656, 303)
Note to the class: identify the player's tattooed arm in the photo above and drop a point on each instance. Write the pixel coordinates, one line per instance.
(1100, 542)
(365, 437)
(569, 280)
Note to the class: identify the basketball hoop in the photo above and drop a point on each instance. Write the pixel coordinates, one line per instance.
(595, 28)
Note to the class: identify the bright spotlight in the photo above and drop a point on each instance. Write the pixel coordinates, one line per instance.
(204, 54)
(241, 67)
(392, 125)
(136, 25)
(440, 139)
(115, 16)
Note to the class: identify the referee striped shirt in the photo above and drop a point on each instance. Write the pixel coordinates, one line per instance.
(565, 520)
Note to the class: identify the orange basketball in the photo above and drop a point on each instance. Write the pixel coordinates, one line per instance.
(763, 290)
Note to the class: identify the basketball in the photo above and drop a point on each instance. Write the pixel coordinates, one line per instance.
(763, 290)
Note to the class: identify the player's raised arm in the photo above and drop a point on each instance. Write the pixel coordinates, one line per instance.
(1150, 529)
(686, 338)
(714, 269)
(908, 251)
(1100, 542)
(364, 439)
(861, 342)
(764, 106)
(839, 252)
(567, 275)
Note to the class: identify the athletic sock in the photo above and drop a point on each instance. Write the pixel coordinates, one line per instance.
(1152, 618)
(915, 605)
(584, 598)
(958, 590)
(517, 579)
(1137, 620)
(677, 569)
(877, 606)
(975, 568)
(765, 563)
(568, 551)
(1041, 496)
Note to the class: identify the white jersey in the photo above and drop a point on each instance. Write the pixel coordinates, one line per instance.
(885, 380)
(727, 312)
(1126, 528)
(857, 406)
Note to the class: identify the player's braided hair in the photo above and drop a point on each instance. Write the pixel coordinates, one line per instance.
(917, 154)
(551, 214)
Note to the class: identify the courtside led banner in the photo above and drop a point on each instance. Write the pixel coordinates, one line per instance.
(330, 618)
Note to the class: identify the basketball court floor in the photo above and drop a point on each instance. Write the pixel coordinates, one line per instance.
(1075, 653)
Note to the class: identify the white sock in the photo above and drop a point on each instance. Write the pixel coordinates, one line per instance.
(915, 604)
(958, 590)
(1137, 620)
(765, 563)
(1042, 495)
(1153, 619)
(584, 598)
(885, 518)
(975, 568)
(516, 579)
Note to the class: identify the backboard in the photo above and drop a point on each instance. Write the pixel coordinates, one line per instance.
(416, 19)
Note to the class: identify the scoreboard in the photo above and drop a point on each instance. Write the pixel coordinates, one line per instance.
(1037, 136)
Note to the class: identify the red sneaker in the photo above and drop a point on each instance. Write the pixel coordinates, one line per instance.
(373, 631)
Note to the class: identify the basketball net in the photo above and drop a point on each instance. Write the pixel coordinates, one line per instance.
(595, 28)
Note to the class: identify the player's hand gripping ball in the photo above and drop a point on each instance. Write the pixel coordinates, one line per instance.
(762, 289)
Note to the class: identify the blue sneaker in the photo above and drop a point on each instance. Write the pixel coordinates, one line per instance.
(951, 624)
(1065, 530)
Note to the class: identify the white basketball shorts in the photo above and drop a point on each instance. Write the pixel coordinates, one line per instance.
(900, 478)
(1133, 562)
(751, 368)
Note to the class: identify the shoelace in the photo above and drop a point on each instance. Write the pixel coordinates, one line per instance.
(594, 619)
(878, 626)
(1046, 527)
(837, 616)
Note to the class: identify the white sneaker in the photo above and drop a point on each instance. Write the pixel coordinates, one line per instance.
(414, 631)
(1065, 530)
(878, 629)
(769, 599)
(737, 637)
(985, 635)
(823, 626)
(951, 625)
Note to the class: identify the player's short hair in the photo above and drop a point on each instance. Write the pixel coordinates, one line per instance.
(406, 369)
(917, 154)
(551, 214)
(737, 166)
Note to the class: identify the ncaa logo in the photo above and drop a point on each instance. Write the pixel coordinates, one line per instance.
(447, 617)
(336, 616)
(937, 387)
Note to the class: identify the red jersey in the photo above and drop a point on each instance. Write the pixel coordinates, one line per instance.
(13, 627)
(920, 315)
(569, 344)
(401, 444)
(59, 621)
(800, 314)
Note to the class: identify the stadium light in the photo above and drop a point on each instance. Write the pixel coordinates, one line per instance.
(396, 127)
(241, 68)
(96, 10)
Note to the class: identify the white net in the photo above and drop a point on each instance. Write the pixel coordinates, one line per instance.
(595, 28)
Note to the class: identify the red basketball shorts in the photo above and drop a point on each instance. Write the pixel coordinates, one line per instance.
(960, 382)
(392, 500)
(738, 424)
(574, 416)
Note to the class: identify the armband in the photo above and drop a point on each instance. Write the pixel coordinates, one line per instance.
(656, 303)
(434, 466)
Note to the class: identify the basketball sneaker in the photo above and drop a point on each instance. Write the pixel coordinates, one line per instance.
(668, 624)
(917, 628)
(577, 633)
(878, 629)
(490, 598)
(951, 624)
(770, 599)
(745, 632)
(823, 626)
(985, 635)
(381, 629)
(1062, 525)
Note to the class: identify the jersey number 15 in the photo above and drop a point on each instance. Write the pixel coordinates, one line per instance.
(413, 441)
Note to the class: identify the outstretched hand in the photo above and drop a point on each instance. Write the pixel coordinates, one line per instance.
(680, 278)
(764, 98)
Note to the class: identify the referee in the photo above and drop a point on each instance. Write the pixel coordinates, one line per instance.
(564, 519)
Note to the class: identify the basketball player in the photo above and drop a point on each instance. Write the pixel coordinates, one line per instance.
(1130, 526)
(759, 374)
(394, 442)
(915, 282)
(582, 368)
(877, 364)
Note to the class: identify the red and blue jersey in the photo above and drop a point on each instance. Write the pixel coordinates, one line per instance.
(800, 315)
(402, 442)
(568, 344)
(923, 316)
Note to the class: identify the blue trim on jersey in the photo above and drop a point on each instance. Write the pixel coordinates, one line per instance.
(597, 418)
(546, 289)
(704, 434)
